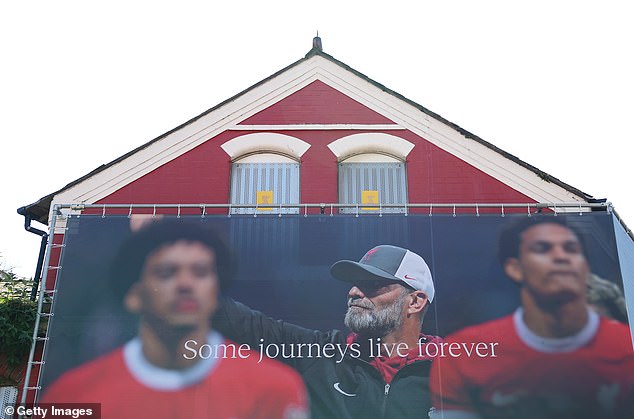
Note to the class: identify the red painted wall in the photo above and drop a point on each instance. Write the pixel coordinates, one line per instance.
(54, 261)
(199, 176)
(202, 175)
(436, 176)
(317, 103)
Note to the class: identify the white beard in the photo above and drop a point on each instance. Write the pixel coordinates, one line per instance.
(373, 321)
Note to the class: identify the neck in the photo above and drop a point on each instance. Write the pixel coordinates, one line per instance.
(163, 347)
(556, 321)
(408, 337)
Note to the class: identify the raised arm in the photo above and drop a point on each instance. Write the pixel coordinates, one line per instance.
(241, 324)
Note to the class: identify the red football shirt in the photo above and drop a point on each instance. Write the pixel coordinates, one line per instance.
(127, 386)
(589, 375)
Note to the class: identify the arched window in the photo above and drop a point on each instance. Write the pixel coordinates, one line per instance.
(264, 181)
(265, 172)
(370, 181)
(372, 171)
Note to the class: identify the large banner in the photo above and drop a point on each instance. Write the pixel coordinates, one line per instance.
(501, 285)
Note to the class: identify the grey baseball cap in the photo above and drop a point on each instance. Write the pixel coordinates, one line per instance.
(390, 263)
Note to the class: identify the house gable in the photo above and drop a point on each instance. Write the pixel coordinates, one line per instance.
(321, 99)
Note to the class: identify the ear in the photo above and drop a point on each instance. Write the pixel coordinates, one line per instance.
(513, 270)
(133, 301)
(418, 301)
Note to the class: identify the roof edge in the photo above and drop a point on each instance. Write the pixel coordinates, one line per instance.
(39, 210)
(543, 175)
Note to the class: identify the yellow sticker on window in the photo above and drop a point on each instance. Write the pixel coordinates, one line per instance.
(264, 198)
(369, 197)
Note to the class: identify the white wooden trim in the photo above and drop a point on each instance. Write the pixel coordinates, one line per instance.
(371, 142)
(316, 127)
(252, 143)
(446, 137)
(188, 137)
(228, 116)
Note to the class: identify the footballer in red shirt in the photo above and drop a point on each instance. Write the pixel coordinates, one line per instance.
(556, 357)
(170, 274)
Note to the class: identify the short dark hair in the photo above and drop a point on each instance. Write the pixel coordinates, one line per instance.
(509, 242)
(127, 265)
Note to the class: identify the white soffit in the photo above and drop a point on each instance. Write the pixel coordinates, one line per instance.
(275, 89)
(370, 143)
(265, 141)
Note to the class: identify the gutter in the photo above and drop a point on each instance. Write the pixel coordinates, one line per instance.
(40, 260)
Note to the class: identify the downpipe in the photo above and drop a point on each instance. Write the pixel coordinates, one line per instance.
(40, 260)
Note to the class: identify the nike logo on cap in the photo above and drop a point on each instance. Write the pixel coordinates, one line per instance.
(336, 386)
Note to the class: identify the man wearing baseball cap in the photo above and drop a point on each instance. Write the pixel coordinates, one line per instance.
(391, 291)
(381, 370)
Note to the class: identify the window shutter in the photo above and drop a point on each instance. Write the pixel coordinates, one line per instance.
(388, 179)
(247, 179)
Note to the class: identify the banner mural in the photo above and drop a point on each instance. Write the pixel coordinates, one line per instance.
(342, 316)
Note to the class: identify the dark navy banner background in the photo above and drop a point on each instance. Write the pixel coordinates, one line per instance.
(284, 271)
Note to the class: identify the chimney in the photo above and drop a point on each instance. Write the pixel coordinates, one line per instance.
(317, 43)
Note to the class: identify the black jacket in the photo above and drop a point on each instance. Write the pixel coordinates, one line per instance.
(339, 386)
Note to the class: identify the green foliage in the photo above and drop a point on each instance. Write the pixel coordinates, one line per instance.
(13, 287)
(17, 319)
